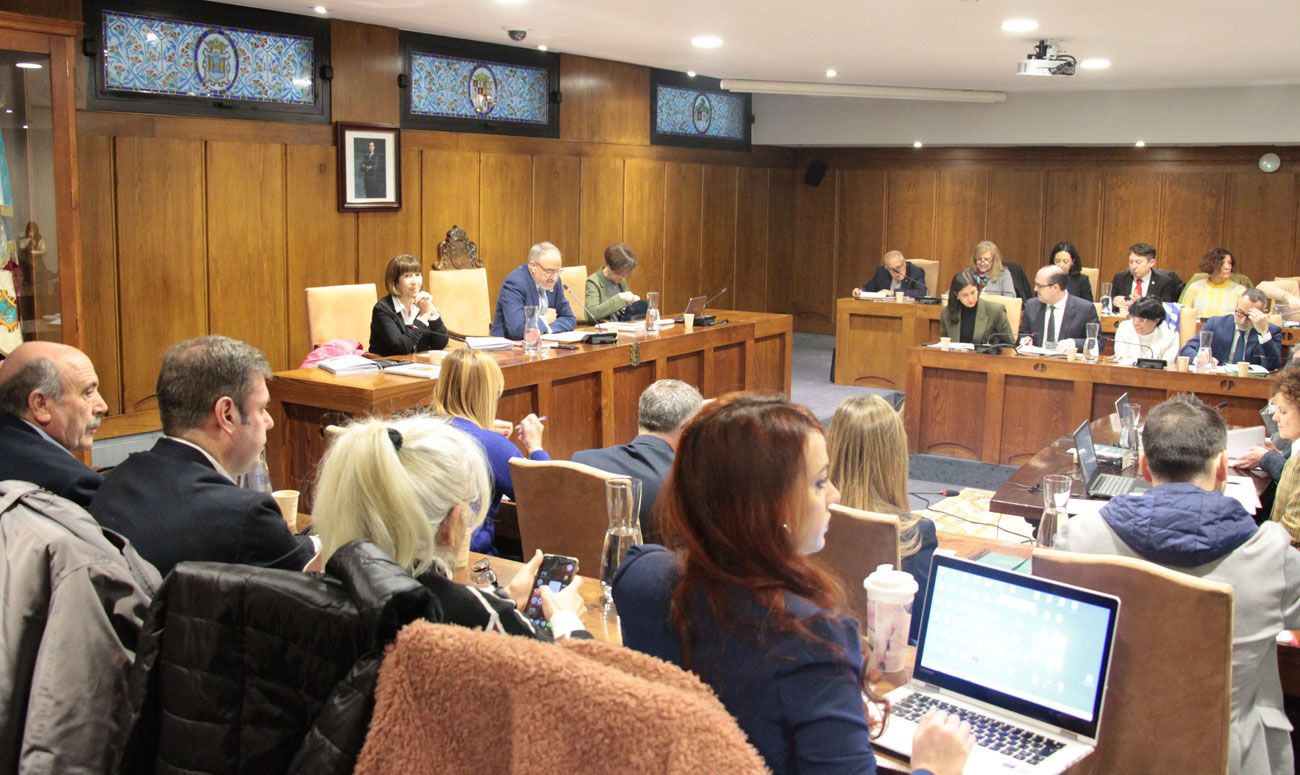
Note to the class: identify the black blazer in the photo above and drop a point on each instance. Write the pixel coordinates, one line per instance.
(390, 336)
(1078, 285)
(25, 456)
(174, 506)
(1077, 314)
(1020, 280)
(881, 281)
(1165, 285)
(648, 458)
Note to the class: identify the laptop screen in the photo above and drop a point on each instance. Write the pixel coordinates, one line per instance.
(1087, 453)
(695, 306)
(1021, 643)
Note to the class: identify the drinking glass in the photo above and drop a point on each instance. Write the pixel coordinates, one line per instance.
(1105, 299)
(1056, 496)
(1092, 342)
(623, 504)
(1204, 354)
(532, 332)
(652, 312)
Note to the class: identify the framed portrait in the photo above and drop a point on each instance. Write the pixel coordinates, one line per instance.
(370, 167)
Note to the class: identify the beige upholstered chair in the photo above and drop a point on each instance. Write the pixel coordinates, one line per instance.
(1283, 291)
(1172, 660)
(1091, 273)
(1186, 325)
(340, 312)
(857, 542)
(461, 296)
(561, 509)
(1013, 306)
(931, 275)
(575, 286)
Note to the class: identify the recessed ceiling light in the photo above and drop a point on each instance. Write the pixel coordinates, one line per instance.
(831, 73)
(917, 144)
(1095, 64)
(1019, 25)
(1140, 144)
(542, 47)
(690, 73)
(29, 66)
(320, 9)
(706, 41)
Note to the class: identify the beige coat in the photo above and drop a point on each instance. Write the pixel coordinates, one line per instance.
(74, 598)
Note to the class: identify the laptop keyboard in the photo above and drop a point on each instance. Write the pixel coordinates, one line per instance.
(1107, 484)
(1007, 739)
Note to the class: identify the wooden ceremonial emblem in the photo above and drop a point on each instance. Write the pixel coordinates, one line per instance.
(457, 252)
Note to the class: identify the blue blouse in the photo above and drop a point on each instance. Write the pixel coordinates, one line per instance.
(498, 450)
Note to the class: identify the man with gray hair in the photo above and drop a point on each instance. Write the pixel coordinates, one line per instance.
(663, 410)
(895, 273)
(50, 408)
(179, 500)
(1244, 336)
(534, 283)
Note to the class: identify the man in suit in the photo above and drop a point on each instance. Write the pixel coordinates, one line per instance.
(1055, 314)
(662, 411)
(1185, 523)
(179, 500)
(536, 283)
(1245, 335)
(50, 408)
(1143, 279)
(895, 273)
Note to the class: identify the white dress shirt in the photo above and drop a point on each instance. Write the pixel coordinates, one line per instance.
(1161, 343)
(1056, 316)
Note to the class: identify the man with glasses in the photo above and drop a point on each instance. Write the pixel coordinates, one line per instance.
(895, 273)
(535, 283)
(1245, 335)
(1055, 316)
(1142, 279)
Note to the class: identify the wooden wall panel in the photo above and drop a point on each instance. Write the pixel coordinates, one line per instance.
(1191, 219)
(643, 223)
(450, 193)
(1072, 205)
(385, 234)
(555, 203)
(682, 227)
(99, 312)
(604, 102)
(750, 291)
(1015, 216)
(811, 275)
(506, 207)
(1131, 209)
(366, 62)
(909, 212)
(163, 272)
(246, 217)
(780, 239)
(861, 228)
(961, 210)
(321, 241)
(1259, 223)
(602, 211)
(718, 239)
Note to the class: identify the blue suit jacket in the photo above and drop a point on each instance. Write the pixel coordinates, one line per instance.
(882, 280)
(1268, 355)
(648, 458)
(519, 290)
(25, 456)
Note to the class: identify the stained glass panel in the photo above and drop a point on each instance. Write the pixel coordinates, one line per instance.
(693, 113)
(455, 87)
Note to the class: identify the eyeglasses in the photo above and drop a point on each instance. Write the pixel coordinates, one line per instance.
(482, 574)
(547, 272)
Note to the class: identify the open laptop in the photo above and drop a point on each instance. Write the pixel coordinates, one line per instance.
(695, 306)
(1097, 484)
(1023, 659)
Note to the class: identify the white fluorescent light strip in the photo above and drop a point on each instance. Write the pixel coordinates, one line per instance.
(871, 92)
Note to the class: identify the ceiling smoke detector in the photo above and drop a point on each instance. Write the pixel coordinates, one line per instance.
(1047, 59)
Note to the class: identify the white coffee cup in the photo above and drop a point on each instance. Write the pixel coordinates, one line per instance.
(287, 500)
(889, 616)
(688, 321)
(945, 343)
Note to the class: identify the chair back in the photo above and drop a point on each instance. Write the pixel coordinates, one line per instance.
(1188, 325)
(340, 312)
(561, 508)
(931, 269)
(575, 287)
(461, 296)
(1172, 660)
(856, 543)
(1091, 273)
(1013, 307)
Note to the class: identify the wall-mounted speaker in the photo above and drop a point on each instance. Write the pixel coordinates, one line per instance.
(816, 171)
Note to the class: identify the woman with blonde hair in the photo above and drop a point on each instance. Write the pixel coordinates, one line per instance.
(415, 487)
(986, 261)
(469, 386)
(868, 454)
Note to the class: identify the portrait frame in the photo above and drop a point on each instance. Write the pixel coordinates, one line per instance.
(369, 166)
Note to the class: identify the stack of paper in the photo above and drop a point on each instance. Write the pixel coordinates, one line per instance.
(566, 337)
(634, 327)
(967, 346)
(423, 370)
(348, 364)
(489, 342)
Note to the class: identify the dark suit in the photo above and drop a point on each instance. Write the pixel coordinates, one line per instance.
(1078, 285)
(1268, 355)
(1164, 285)
(26, 456)
(990, 324)
(913, 283)
(1019, 280)
(519, 290)
(389, 334)
(1070, 325)
(648, 458)
(174, 507)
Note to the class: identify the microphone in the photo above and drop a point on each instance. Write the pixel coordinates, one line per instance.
(460, 339)
(590, 317)
(713, 298)
(991, 346)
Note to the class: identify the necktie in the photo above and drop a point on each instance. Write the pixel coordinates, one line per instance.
(1137, 289)
(1239, 347)
(1051, 326)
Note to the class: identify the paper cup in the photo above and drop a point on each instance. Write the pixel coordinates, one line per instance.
(1183, 360)
(899, 296)
(945, 343)
(287, 500)
(1243, 368)
(688, 321)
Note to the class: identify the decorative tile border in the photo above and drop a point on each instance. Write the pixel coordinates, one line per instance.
(456, 87)
(694, 113)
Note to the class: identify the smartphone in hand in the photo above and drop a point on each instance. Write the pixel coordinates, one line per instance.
(555, 572)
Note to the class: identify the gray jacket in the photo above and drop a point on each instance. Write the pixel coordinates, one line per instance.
(75, 595)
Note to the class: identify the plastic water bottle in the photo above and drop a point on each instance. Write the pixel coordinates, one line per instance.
(652, 312)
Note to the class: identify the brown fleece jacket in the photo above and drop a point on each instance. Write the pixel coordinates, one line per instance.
(454, 700)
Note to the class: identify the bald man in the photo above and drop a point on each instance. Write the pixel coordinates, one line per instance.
(50, 407)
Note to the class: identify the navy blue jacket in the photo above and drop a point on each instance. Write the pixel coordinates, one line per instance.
(799, 702)
(918, 566)
(648, 458)
(1268, 355)
(882, 280)
(1179, 525)
(25, 456)
(518, 290)
(498, 450)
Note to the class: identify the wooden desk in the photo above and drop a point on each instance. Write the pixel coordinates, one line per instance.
(589, 394)
(600, 620)
(872, 339)
(1005, 409)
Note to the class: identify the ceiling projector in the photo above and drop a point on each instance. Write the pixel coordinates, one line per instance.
(1046, 59)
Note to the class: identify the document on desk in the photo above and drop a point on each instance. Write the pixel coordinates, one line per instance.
(958, 346)
(565, 337)
(1242, 489)
(422, 370)
(1033, 349)
(489, 342)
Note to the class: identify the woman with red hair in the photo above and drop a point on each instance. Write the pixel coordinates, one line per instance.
(736, 599)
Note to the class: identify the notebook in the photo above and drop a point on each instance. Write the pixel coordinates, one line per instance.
(1023, 659)
(1097, 484)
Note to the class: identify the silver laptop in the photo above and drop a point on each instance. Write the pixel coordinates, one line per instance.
(1023, 659)
(695, 306)
(1096, 484)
